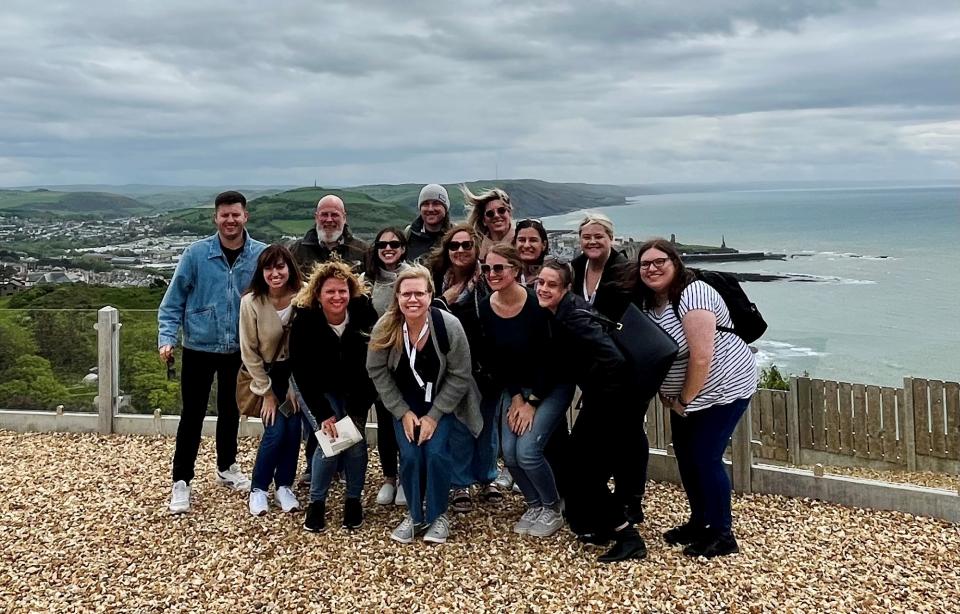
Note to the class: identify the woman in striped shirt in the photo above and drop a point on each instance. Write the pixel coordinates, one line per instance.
(708, 388)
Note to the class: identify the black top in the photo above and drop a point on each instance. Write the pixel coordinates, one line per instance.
(427, 365)
(467, 310)
(518, 350)
(231, 254)
(326, 363)
(603, 301)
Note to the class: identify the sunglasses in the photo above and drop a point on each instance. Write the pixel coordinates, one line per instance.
(492, 213)
(486, 269)
(529, 221)
(657, 263)
(390, 244)
(454, 246)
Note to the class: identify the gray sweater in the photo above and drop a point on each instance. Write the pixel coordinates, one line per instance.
(457, 391)
(381, 288)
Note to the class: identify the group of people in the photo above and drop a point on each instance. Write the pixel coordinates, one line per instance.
(470, 340)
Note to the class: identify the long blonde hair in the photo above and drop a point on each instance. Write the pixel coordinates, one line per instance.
(477, 204)
(388, 333)
(309, 294)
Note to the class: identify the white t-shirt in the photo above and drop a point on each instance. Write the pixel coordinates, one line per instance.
(733, 370)
(284, 314)
(339, 328)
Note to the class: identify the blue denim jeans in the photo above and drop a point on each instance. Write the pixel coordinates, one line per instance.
(432, 458)
(353, 459)
(474, 459)
(523, 454)
(277, 455)
(699, 439)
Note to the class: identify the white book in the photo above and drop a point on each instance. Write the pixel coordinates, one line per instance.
(347, 435)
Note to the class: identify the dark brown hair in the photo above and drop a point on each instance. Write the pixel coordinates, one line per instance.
(538, 226)
(439, 259)
(272, 256)
(682, 276)
(562, 267)
(374, 264)
(230, 197)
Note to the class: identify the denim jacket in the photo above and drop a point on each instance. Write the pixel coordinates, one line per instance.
(204, 297)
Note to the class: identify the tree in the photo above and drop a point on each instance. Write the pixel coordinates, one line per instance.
(31, 384)
(15, 339)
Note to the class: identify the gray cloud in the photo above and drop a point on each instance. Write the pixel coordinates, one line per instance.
(289, 92)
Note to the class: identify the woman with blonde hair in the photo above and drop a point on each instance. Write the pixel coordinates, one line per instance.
(328, 350)
(597, 263)
(491, 216)
(419, 361)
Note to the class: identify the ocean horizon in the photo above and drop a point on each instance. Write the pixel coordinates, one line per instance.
(883, 263)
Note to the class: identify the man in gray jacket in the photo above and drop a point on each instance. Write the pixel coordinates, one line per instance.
(434, 220)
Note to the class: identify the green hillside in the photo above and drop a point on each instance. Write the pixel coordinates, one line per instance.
(530, 197)
(291, 213)
(69, 204)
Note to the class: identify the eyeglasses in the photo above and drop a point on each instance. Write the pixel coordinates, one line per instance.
(454, 246)
(492, 213)
(419, 295)
(390, 244)
(656, 263)
(486, 269)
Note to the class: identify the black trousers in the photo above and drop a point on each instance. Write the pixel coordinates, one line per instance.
(196, 379)
(609, 440)
(386, 441)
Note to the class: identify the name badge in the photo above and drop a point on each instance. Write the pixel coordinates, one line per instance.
(428, 392)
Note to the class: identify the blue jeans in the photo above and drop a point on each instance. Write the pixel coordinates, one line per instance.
(277, 455)
(353, 459)
(432, 458)
(474, 459)
(699, 440)
(523, 454)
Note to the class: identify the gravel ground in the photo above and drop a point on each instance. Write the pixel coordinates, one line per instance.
(85, 528)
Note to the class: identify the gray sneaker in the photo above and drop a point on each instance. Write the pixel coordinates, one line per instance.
(527, 520)
(439, 530)
(548, 523)
(407, 530)
(504, 479)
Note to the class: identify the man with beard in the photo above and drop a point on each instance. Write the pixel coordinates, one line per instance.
(330, 236)
(426, 231)
(203, 300)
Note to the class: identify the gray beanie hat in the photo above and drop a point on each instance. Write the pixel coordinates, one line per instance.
(434, 191)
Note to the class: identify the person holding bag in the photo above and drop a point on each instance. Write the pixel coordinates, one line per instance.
(265, 312)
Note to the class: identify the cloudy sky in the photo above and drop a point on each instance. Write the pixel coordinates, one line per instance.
(288, 92)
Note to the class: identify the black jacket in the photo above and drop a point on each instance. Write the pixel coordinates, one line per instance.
(467, 310)
(604, 302)
(587, 354)
(308, 251)
(420, 241)
(325, 363)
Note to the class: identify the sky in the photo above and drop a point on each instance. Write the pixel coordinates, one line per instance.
(182, 92)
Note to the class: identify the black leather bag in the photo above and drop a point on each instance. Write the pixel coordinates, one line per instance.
(648, 349)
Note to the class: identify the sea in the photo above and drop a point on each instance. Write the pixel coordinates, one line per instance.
(884, 262)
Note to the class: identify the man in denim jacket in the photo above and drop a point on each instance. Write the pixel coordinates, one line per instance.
(204, 300)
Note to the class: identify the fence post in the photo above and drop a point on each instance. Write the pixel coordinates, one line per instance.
(108, 367)
(742, 454)
(907, 425)
(793, 424)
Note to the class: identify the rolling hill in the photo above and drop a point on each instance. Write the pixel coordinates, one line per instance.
(69, 204)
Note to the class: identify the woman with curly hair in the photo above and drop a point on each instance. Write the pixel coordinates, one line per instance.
(328, 350)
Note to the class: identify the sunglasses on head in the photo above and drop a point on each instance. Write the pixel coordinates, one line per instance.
(492, 213)
(529, 222)
(486, 269)
(390, 244)
(457, 245)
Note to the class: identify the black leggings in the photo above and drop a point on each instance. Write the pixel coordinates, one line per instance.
(386, 441)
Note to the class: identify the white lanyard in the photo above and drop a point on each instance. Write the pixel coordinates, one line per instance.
(412, 350)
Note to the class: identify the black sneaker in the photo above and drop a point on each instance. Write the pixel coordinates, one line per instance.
(352, 513)
(713, 545)
(627, 545)
(684, 534)
(316, 520)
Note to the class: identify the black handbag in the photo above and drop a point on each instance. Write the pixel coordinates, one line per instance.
(647, 348)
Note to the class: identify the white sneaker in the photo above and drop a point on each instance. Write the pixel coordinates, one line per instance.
(400, 499)
(233, 478)
(386, 494)
(286, 499)
(504, 479)
(527, 520)
(180, 498)
(548, 523)
(258, 503)
(439, 530)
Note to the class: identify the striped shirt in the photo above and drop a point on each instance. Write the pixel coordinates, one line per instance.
(733, 370)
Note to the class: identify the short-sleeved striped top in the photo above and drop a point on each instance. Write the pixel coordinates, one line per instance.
(733, 370)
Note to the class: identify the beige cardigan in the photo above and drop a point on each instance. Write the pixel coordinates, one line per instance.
(260, 332)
